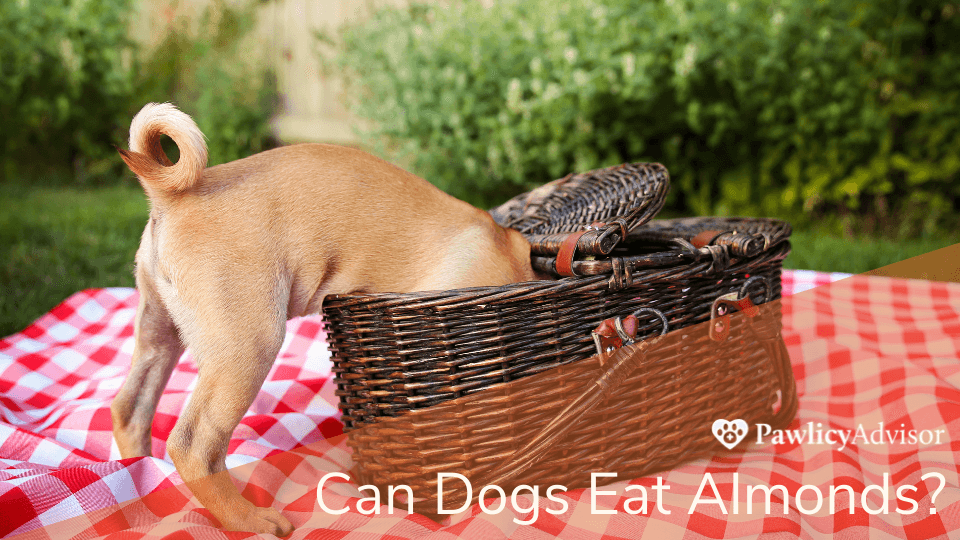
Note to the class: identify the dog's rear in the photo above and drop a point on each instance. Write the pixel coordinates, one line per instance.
(231, 252)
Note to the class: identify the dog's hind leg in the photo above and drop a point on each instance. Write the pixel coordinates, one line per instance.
(235, 345)
(157, 347)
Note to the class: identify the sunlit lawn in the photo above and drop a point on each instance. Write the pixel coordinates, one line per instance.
(815, 251)
(56, 241)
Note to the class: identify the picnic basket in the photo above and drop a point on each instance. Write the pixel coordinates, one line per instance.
(519, 384)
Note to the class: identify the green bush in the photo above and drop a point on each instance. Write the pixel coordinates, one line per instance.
(756, 107)
(71, 80)
(64, 81)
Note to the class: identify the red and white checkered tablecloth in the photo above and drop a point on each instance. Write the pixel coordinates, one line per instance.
(865, 350)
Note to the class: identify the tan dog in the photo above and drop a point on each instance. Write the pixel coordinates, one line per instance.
(231, 252)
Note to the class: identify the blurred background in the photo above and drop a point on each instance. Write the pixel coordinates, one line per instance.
(842, 117)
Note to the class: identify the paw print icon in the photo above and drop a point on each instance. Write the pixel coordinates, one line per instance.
(729, 432)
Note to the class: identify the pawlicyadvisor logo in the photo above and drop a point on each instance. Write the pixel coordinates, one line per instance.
(731, 432)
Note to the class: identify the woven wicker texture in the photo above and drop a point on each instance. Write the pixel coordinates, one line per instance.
(394, 353)
(659, 417)
(621, 198)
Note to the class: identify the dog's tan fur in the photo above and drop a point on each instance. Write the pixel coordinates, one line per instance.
(231, 252)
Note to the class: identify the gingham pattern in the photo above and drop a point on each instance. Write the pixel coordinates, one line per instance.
(864, 350)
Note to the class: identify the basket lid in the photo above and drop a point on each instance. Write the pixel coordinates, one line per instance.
(604, 204)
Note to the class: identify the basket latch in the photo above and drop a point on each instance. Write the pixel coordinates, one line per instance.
(614, 333)
(740, 300)
(598, 231)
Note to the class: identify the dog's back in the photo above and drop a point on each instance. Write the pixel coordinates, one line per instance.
(328, 218)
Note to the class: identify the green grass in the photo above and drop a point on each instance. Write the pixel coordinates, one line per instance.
(55, 241)
(813, 250)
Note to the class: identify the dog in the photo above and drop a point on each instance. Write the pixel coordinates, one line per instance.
(231, 252)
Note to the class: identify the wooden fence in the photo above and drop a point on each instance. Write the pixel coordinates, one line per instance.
(311, 108)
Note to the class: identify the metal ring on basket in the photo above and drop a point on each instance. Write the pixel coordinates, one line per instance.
(723, 305)
(745, 288)
(665, 324)
(630, 340)
(611, 334)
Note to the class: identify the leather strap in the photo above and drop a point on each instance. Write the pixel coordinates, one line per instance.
(565, 255)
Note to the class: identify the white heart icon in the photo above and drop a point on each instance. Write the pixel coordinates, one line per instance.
(730, 432)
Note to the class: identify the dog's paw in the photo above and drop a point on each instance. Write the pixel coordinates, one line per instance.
(263, 521)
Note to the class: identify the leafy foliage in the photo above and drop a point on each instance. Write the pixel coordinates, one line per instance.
(71, 79)
(64, 80)
(756, 107)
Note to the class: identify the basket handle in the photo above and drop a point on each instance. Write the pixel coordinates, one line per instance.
(622, 362)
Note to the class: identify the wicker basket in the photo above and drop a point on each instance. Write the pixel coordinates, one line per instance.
(397, 352)
(500, 383)
(645, 409)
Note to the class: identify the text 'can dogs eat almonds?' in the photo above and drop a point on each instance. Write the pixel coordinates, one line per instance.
(526, 501)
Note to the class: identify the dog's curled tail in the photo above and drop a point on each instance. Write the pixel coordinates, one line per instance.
(147, 159)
